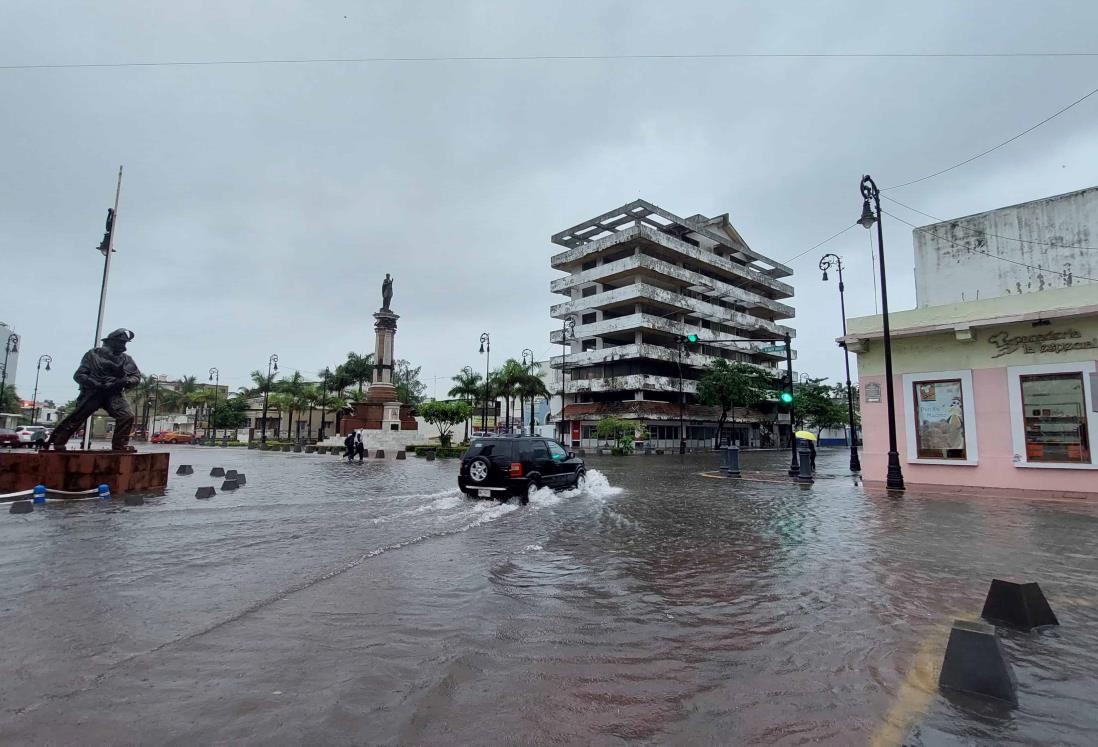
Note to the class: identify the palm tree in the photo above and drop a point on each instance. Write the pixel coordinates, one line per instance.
(358, 368)
(510, 375)
(532, 386)
(143, 393)
(467, 388)
(292, 391)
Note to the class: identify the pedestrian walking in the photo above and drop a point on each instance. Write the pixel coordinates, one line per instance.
(360, 448)
(349, 445)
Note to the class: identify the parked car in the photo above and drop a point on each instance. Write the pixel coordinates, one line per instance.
(173, 437)
(8, 438)
(502, 466)
(31, 435)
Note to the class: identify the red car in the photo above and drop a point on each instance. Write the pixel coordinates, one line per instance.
(8, 438)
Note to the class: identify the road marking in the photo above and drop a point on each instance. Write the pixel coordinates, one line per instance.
(914, 694)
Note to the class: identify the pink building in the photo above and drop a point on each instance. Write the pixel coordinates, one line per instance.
(994, 394)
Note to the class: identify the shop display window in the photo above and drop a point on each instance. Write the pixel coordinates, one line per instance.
(939, 419)
(1054, 415)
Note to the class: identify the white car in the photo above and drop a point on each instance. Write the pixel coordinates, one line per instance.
(31, 435)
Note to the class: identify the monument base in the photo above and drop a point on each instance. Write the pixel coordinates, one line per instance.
(372, 417)
(83, 470)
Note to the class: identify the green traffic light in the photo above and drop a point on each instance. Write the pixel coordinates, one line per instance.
(787, 397)
(691, 338)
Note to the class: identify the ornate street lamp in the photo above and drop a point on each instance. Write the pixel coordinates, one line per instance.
(34, 400)
(271, 362)
(215, 377)
(11, 346)
(895, 476)
(486, 349)
(324, 376)
(828, 261)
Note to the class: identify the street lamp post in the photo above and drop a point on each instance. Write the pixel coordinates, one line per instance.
(567, 330)
(271, 362)
(215, 377)
(34, 400)
(827, 262)
(156, 405)
(895, 477)
(486, 349)
(11, 346)
(327, 372)
(682, 402)
(794, 464)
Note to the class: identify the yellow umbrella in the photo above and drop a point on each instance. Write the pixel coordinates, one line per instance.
(809, 435)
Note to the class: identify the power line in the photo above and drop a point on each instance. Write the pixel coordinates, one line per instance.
(554, 58)
(985, 233)
(985, 253)
(817, 246)
(996, 147)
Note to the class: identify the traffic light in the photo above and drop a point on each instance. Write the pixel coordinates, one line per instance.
(786, 396)
(106, 242)
(692, 339)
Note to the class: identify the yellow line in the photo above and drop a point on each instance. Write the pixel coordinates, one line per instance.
(914, 694)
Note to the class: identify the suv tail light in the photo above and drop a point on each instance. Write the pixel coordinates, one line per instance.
(516, 469)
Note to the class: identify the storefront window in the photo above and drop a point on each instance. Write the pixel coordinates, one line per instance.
(939, 419)
(1054, 417)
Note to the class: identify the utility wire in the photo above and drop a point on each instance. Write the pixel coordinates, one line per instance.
(817, 246)
(554, 58)
(985, 233)
(985, 253)
(996, 147)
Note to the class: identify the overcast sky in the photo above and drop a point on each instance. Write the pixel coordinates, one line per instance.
(262, 205)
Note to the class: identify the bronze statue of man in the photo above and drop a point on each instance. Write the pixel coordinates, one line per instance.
(104, 374)
(386, 292)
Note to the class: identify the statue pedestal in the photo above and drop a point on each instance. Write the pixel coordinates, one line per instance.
(83, 470)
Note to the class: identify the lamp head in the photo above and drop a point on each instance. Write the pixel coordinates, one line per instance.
(482, 347)
(868, 218)
(825, 275)
(47, 365)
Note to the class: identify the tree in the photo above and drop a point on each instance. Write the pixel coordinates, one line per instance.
(230, 413)
(466, 388)
(817, 407)
(290, 394)
(9, 400)
(531, 387)
(622, 432)
(359, 369)
(444, 415)
(406, 380)
(732, 385)
(507, 380)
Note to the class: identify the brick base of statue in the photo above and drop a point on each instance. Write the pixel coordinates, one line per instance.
(83, 470)
(372, 416)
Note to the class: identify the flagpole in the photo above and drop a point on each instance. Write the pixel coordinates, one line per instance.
(103, 293)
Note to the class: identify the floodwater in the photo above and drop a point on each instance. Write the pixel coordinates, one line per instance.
(336, 603)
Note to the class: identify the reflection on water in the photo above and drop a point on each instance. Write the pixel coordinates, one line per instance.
(656, 605)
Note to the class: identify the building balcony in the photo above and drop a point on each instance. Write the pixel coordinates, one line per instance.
(630, 383)
(739, 274)
(675, 302)
(658, 353)
(645, 266)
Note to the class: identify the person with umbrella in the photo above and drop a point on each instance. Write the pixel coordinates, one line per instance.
(809, 438)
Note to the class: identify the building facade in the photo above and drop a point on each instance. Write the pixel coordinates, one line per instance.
(639, 278)
(994, 371)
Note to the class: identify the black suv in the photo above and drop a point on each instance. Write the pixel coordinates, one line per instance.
(502, 466)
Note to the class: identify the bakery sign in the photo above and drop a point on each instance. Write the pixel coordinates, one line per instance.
(1055, 341)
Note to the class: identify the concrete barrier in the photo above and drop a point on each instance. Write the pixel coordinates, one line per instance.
(1021, 606)
(184, 469)
(134, 500)
(401, 455)
(380, 454)
(229, 485)
(21, 507)
(310, 449)
(205, 492)
(217, 472)
(975, 663)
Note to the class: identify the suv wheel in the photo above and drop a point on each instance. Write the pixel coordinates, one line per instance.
(478, 469)
(581, 481)
(531, 488)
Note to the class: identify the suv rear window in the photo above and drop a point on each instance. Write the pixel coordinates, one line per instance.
(489, 448)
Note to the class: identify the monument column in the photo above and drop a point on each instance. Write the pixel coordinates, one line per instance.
(382, 389)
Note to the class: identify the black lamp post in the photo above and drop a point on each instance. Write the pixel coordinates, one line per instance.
(895, 477)
(215, 377)
(11, 346)
(486, 349)
(271, 362)
(527, 362)
(34, 400)
(828, 261)
(567, 330)
(324, 376)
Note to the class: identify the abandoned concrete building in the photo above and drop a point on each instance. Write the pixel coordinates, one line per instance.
(638, 278)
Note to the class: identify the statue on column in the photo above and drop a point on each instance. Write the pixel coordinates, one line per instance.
(104, 374)
(386, 292)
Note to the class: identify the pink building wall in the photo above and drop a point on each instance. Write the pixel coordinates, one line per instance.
(996, 469)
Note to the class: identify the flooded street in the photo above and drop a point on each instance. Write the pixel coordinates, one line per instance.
(337, 603)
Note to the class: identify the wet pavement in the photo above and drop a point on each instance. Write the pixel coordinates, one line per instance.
(337, 603)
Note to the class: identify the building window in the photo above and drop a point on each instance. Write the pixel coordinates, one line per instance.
(1051, 413)
(940, 418)
(588, 318)
(1054, 418)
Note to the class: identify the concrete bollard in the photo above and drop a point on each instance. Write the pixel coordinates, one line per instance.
(1015, 605)
(253, 445)
(264, 447)
(134, 500)
(430, 456)
(217, 472)
(230, 474)
(21, 507)
(401, 455)
(241, 480)
(380, 454)
(730, 461)
(310, 449)
(297, 449)
(804, 463)
(206, 492)
(287, 448)
(185, 469)
(229, 485)
(976, 663)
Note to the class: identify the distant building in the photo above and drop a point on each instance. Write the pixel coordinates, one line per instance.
(637, 278)
(1035, 246)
